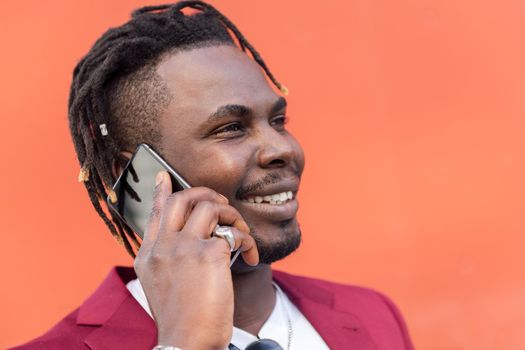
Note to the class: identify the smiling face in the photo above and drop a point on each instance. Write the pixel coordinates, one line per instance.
(225, 129)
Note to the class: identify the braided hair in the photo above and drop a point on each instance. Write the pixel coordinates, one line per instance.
(116, 94)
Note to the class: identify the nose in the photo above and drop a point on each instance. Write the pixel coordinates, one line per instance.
(275, 149)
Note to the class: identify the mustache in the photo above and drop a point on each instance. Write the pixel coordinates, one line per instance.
(268, 179)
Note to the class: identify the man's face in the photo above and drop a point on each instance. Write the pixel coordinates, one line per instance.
(224, 129)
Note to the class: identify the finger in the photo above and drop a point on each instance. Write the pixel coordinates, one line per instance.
(246, 244)
(179, 206)
(207, 215)
(160, 194)
(243, 242)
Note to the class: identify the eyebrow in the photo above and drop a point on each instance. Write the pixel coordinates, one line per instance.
(243, 111)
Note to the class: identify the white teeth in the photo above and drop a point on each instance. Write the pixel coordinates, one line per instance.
(278, 198)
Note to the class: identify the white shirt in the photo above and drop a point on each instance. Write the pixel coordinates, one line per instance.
(304, 335)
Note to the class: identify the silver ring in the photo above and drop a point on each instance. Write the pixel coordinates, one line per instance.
(226, 233)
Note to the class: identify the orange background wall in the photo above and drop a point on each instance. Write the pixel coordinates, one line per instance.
(412, 115)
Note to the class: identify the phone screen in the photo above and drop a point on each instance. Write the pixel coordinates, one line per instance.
(135, 186)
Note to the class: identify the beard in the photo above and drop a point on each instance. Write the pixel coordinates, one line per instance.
(270, 252)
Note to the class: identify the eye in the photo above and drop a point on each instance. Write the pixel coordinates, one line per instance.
(279, 122)
(230, 129)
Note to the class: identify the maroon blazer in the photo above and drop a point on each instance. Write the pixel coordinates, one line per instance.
(346, 317)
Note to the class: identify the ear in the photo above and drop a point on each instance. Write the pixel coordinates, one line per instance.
(120, 162)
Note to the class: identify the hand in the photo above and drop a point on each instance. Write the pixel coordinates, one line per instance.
(185, 272)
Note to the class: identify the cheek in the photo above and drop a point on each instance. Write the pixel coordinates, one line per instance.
(221, 169)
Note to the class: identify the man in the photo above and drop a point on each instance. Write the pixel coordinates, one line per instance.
(180, 83)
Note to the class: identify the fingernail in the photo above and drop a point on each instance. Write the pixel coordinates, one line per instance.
(226, 199)
(159, 178)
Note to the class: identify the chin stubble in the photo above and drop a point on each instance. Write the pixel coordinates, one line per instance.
(270, 252)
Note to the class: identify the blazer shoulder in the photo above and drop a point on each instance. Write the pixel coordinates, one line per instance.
(375, 309)
(66, 334)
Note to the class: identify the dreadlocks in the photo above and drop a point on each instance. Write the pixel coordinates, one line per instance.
(116, 93)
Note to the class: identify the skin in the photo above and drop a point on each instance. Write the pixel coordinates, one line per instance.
(194, 296)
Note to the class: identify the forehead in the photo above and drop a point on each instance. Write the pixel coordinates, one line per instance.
(202, 79)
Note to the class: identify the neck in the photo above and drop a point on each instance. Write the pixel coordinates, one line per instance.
(254, 299)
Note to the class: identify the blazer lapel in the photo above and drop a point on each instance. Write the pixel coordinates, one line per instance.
(129, 328)
(340, 330)
(121, 322)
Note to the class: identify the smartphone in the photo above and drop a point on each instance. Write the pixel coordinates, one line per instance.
(135, 187)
